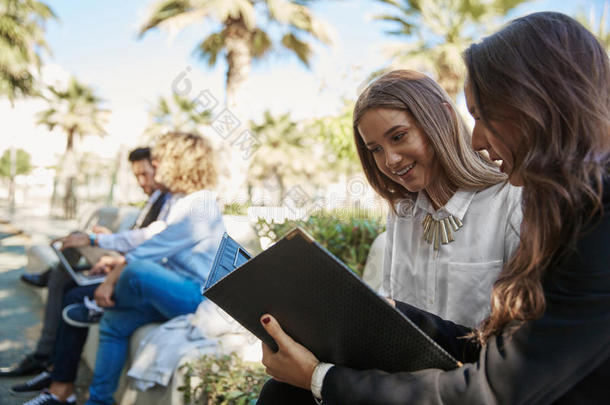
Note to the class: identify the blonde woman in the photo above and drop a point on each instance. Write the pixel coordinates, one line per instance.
(454, 221)
(163, 276)
(158, 280)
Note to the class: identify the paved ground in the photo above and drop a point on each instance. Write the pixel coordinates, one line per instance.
(21, 310)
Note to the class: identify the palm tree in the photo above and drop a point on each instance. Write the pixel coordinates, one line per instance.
(21, 39)
(439, 31)
(242, 36)
(76, 111)
(175, 114)
(286, 158)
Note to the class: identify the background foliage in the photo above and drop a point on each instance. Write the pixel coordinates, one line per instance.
(346, 234)
(22, 165)
(225, 380)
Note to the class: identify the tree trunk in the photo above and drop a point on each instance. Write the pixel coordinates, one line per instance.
(113, 181)
(11, 196)
(70, 140)
(70, 194)
(11, 184)
(237, 40)
(54, 196)
(70, 198)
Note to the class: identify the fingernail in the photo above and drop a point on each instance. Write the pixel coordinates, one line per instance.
(266, 320)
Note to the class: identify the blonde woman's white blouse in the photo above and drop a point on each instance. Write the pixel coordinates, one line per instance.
(455, 281)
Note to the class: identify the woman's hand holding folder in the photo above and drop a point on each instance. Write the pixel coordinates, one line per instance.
(292, 363)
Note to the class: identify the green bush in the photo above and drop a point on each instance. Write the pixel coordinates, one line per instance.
(236, 208)
(224, 380)
(347, 234)
(22, 163)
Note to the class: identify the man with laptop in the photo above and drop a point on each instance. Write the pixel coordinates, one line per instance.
(158, 280)
(72, 247)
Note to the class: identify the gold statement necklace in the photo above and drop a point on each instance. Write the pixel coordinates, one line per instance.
(437, 231)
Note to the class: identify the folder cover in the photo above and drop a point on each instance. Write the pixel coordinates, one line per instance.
(321, 304)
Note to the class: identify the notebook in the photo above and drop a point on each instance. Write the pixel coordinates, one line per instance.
(321, 304)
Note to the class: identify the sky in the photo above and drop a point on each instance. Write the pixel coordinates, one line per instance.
(97, 42)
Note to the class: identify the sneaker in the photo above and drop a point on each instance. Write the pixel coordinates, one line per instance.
(36, 280)
(80, 316)
(40, 382)
(31, 364)
(46, 398)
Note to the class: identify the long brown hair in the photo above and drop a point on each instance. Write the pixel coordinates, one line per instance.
(436, 116)
(547, 77)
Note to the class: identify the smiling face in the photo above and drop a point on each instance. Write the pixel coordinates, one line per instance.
(503, 148)
(400, 148)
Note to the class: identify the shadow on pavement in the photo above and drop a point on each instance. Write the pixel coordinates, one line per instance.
(21, 311)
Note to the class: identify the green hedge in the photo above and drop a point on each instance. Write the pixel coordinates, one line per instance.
(346, 234)
(224, 380)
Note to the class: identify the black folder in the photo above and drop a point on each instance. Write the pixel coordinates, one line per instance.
(321, 304)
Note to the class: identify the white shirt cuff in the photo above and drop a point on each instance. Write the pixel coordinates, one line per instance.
(317, 379)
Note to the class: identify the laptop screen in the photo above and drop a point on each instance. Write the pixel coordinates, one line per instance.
(230, 255)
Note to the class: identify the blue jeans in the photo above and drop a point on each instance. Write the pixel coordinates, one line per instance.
(146, 292)
(70, 340)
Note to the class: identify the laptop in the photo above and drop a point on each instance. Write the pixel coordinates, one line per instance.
(81, 278)
(229, 256)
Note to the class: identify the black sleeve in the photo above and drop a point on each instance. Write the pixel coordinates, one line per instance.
(450, 336)
(541, 362)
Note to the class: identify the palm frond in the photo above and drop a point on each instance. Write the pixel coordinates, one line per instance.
(21, 40)
(504, 6)
(176, 114)
(300, 17)
(237, 9)
(300, 48)
(74, 108)
(211, 47)
(162, 107)
(239, 22)
(41, 10)
(437, 31)
(163, 11)
(260, 44)
(405, 27)
(390, 2)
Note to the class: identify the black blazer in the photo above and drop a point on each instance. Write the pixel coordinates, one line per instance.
(561, 358)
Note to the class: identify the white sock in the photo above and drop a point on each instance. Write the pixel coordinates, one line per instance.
(71, 398)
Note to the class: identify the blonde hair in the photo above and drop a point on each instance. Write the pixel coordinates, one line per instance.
(435, 114)
(185, 162)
